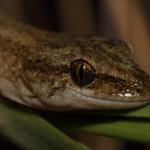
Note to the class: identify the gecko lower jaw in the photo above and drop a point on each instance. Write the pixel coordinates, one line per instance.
(107, 103)
(113, 98)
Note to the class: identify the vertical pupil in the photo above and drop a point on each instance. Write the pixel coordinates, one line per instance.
(81, 72)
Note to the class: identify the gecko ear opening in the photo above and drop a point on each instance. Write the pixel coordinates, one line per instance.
(120, 47)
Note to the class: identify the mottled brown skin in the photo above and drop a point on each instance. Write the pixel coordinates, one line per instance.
(35, 70)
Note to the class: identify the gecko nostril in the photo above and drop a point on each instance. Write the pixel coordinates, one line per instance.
(82, 72)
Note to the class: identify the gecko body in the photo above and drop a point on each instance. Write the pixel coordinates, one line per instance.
(62, 72)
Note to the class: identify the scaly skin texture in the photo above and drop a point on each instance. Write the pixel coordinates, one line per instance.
(35, 70)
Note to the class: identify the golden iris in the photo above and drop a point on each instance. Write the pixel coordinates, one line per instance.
(82, 72)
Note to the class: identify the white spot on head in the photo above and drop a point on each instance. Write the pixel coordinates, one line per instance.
(121, 95)
(128, 95)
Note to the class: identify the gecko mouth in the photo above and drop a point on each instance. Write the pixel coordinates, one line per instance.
(90, 102)
(113, 99)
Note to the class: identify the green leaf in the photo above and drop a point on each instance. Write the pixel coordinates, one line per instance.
(133, 129)
(39, 130)
(143, 112)
(30, 131)
(125, 124)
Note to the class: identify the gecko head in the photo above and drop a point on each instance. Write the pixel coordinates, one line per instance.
(109, 78)
(96, 74)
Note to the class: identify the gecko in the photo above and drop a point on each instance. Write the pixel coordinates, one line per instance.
(62, 72)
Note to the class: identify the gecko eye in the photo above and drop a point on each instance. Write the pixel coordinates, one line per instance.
(82, 73)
